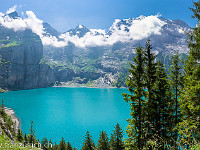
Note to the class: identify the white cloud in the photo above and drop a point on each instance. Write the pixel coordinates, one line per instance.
(139, 28)
(52, 40)
(145, 26)
(89, 39)
(1, 14)
(96, 31)
(15, 24)
(30, 22)
(12, 9)
(34, 23)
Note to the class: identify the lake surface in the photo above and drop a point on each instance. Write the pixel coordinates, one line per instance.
(69, 112)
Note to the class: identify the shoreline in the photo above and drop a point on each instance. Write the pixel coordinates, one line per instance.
(14, 118)
(83, 86)
(72, 86)
(76, 85)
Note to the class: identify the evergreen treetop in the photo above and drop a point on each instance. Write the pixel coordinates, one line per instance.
(88, 143)
(103, 142)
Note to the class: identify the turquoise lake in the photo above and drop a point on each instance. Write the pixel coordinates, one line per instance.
(69, 112)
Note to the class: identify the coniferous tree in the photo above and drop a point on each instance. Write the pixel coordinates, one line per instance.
(135, 84)
(112, 141)
(150, 78)
(20, 135)
(193, 35)
(162, 111)
(2, 108)
(190, 104)
(116, 142)
(25, 139)
(55, 146)
(62, 145)
(189, 126)
(103, 142)
(2, 104)
(151, 109)
(68, 146)
(88, 143)
(32, 137)
(176, 86)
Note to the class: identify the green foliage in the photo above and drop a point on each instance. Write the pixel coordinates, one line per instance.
(162, 115)
(103, 142)
(43, 60)
(8, 138)
(189, 126)
(25, 139)
(176, 87)
(116, 141)
(195, 147)
(2, 90)
(88, 143)
(89, 68)
(3, 114)
(135, 84)
(194, 37)
(8, 123)
(62, 145)
(120, 80)
(7, 144)
(68, 146)
(20, 137)
(190, 103)
(55, 146)
(31, 137)
(151, 103)
(150, 69)
(149, 83)
(11, 44)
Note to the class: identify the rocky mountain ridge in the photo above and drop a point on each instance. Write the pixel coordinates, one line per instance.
(20, 55)
(92, 57)
(102, 65)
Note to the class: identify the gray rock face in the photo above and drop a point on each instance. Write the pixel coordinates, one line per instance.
(46, 76)
(20, 64)
(24, 64)
(108, 61)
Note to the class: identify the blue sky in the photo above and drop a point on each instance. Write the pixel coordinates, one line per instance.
(66, 14)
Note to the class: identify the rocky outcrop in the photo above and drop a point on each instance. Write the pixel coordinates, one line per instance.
(46, 76)
(20, 64)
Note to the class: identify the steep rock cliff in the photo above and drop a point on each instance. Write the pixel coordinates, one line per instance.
(20, 55)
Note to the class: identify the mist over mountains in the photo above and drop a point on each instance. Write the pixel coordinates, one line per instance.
(80, 55)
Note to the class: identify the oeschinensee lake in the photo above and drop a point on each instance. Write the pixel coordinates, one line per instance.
(69, 112)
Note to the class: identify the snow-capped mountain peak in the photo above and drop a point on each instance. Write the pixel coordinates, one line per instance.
(79, 30)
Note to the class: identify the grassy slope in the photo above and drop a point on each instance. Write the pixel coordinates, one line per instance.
(6, 143)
